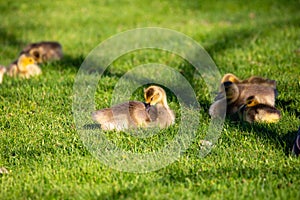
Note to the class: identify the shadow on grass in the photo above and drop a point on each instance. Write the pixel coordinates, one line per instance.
(220, 6)
(209, 180)
(70, 61)
(244, 36)
(269, 133)
(290, 105)
(91, 126)
(206, 177)
(10, 39)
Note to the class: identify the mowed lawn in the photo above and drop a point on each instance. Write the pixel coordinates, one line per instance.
(39, 143)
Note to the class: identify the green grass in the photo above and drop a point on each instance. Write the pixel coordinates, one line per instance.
(45, 156)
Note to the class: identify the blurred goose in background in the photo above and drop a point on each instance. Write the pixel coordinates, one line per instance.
(24, 67)
(44, 51)
(2, 72)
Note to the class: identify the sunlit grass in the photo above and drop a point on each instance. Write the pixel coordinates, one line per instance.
(45, 156)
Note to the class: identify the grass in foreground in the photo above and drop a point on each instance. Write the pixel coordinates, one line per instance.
(39, 144)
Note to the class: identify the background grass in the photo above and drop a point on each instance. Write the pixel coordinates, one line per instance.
(39, 144)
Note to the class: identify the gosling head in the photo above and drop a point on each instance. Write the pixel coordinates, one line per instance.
(232, 91)
(35, 53)
(231, 78)
(155, 95)
(2, 69)
(252, 101)
(24, 61)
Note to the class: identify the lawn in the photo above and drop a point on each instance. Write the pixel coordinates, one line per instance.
(39, 141)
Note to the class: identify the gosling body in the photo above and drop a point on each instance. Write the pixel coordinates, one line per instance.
(133, 114)
(253, 111)
(127, 115)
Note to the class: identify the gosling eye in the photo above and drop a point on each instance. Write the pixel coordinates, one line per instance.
(151, 98)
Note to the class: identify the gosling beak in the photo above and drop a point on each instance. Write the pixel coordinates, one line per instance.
(147, 105)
